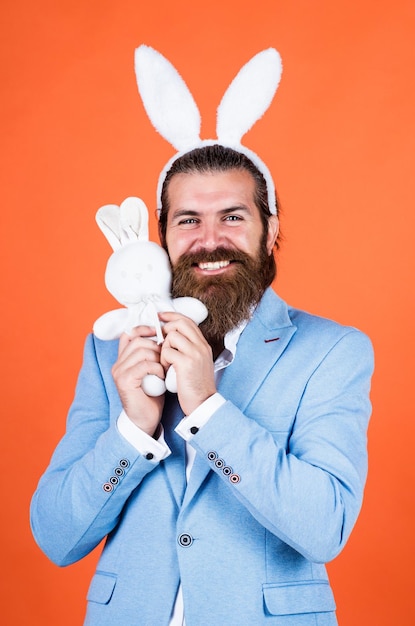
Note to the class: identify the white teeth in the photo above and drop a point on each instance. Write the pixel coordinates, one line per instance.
(217, 265)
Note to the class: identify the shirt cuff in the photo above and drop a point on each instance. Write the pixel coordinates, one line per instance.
(190, 425)
(156, 450)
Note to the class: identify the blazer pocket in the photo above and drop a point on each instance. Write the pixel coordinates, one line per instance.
(101, 587)
(308, 596)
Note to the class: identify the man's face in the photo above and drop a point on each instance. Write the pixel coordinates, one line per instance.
(217, 244)
(215, 210)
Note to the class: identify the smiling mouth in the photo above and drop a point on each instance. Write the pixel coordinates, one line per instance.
(213, 265)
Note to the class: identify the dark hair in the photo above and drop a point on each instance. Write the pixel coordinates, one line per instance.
(217, 158)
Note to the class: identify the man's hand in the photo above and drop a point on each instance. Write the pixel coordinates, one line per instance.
(187, 350)
(138, 355)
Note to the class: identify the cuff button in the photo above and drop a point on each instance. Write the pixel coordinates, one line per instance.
(235, 478)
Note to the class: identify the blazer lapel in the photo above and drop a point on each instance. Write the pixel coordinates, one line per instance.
(199, 472)
(259, 347)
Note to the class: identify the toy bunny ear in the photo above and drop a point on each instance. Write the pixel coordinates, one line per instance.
(108, 219)
(167, 99)
(124, 224)
(248, 96)
(133, 220)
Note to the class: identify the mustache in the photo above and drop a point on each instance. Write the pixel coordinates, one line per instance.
(189, 259)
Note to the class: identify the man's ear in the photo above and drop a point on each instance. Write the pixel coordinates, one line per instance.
(161, 236)
(273, 229)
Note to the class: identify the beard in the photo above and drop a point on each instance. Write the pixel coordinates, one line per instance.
(229, 297)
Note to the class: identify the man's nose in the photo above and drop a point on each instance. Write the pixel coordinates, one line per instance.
(210, 236)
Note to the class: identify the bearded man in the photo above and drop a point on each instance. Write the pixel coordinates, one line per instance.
(222, 503)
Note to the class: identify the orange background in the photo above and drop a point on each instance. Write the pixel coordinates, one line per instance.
(339, 138)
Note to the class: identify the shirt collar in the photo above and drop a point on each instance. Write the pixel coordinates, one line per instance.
(231, 340)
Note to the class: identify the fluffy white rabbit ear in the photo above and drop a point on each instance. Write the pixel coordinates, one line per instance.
(133, 220)
(167, 99)
(248, 96)
(124, 224)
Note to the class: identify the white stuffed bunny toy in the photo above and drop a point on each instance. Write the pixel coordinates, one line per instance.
(138, 275)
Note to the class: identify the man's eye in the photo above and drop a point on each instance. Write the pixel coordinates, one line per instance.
(233, 218)
(188, 220)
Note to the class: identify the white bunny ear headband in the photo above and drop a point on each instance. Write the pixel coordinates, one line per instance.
(175, 115)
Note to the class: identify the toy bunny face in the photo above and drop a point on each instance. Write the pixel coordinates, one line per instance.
(137, 271)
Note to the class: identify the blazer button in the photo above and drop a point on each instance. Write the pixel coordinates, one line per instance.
(185, 540)
(124, 463)
(220, 463)
(212, 455)
(119, 471)
(227, 470)
(235, 478)
(107, 487)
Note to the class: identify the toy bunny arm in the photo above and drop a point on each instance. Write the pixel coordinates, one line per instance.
(191, 307)
(110, 325)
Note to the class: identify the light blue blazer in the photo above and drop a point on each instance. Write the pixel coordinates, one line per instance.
(274, 493)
